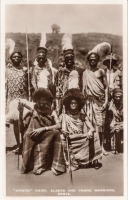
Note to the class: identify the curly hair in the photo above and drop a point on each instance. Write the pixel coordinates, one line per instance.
(42, 92)
(73, 94)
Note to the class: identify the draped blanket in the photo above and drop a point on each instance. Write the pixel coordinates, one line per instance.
(82, 150)
(95, 94)
(45, 150)
(117, 121)
(92, 85)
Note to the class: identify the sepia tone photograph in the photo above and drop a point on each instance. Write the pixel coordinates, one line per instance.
(64, 99)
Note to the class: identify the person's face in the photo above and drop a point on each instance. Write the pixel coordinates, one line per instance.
(69, 60)
(74, 105)
(113, 65)
(118, 98)
(93, 60)
(44, 105)
(16, 59)
(41, 58)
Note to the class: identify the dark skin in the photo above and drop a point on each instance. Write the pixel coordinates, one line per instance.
(16, 60)
(69, 61)
(41, 59)
(118, 100)
(42, 104)
(114, 65)
(75, 114)
(100, 74)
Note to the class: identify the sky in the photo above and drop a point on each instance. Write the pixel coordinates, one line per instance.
(71, 18)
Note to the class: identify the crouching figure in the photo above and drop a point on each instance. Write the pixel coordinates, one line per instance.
(42, 147)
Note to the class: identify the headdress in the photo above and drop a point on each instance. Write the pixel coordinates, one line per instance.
(16, 51)
(10, 45)
(67, 46)
(42, 93)
(42, 45)
(117, 91)
(114, 58)
(101, 50)
(93, 53)
(71, 94)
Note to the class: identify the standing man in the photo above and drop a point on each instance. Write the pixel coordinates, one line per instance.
(114, 75)
(95, 88)
(69, 76)
(16, 85)
(43, 74)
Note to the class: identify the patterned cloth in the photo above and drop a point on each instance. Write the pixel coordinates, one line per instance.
(66, 79)
(45, 150)
(82, 150)
(94, 91)
(16, 83)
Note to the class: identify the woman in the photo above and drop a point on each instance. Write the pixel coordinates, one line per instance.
(42, 143)
(84, 145)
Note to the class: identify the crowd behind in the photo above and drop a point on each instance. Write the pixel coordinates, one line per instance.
(74, 114)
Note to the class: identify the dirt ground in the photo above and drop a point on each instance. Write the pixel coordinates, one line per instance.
(106, 181)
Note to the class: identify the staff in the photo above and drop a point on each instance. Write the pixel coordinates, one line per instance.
(29, 92)
(64, 128)
(21, 131)
(110, 65)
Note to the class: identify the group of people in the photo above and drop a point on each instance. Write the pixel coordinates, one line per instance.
(66, 127)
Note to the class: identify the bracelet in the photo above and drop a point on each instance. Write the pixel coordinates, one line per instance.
(46, 128)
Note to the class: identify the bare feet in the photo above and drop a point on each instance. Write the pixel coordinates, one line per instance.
(105, 153)
(56, 172)
(39, 171)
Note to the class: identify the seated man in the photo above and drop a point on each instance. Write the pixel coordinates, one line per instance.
(84, 143)
(115, 121)
(42, 143)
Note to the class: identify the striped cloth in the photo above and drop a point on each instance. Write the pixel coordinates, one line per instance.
(45, 150)
(94, 91)
(82, 150)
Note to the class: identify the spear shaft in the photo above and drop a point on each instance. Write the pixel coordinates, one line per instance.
(110, 66)
(29, 92)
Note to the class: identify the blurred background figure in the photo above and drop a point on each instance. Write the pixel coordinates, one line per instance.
(114, 122)
(114, 74)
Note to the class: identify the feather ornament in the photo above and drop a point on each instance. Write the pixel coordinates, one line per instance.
(73, 79)
(103, 49)
(43, 40)
(67, 42)
(43, 79)
(10, 45)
